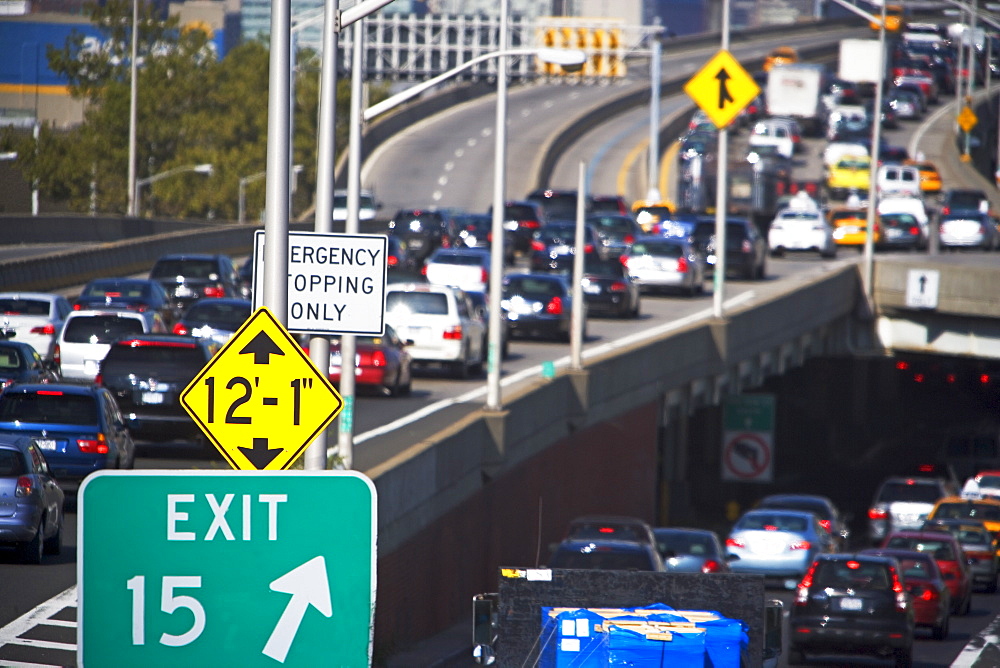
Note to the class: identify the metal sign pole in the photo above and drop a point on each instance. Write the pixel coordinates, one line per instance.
(578, 314)
(653, 186)
(276, 207)
(869, 276)
(721, 187)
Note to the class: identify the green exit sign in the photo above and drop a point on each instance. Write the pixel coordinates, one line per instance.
(240, 568)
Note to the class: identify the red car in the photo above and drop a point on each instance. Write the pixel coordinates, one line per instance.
(949, 557)
(929, 594)
(383, 363)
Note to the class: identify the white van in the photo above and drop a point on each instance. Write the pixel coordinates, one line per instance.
(86, 337)
(899, 180)
(911, 205)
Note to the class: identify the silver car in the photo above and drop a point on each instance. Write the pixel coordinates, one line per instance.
(665, 263)
(34, 318)
(86, 337)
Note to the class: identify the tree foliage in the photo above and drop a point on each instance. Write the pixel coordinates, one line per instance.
(192, 108)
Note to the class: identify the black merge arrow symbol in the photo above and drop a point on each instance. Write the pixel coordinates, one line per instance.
(260, 455)
(724, 95)
(262, 347)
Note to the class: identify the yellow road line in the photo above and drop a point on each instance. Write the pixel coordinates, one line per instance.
(627, 164)
(666, 164)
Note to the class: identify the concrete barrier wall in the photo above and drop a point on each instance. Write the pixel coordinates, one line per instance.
(24, 229)
(504, 484)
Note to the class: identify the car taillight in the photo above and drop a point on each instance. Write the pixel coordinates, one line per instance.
(945, 210)
(623, 259)
(826, 525)
(735, 542)
(445, 242)
(530, 224)
(877, 513)
(423, 270)
(392, 260)
(537, 246)
(555, 306)
(181, 328)
(453, 333)
(588, 248)
(796, 138)
(914, 230)
(98, 380)
(711, 566)
(629, 239)
(57, 356)
(682, 265)
(897, 586)
(214, 291)
(44, 329)
(802, 593)
(378, 358)
(746, 246)
(618, 286)
(484, 275)
(24, 487)
(93, 445)
(800, 545)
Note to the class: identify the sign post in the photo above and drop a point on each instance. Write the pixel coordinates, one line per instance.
(260, 400)
(226, 568)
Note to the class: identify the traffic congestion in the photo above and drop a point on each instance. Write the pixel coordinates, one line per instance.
(91, 380)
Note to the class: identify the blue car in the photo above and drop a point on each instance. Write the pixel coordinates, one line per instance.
(31, 502)
(79, 429)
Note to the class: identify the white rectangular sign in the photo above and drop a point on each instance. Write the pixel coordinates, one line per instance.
(336, 282)
(922, 288)
(860, 61)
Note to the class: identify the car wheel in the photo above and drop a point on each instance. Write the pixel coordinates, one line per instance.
(31, 551)
(53, 544)
(904, 657)
(940, 632)
(460, 369)
(777, 252)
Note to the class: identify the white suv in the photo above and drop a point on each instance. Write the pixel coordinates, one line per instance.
(86, 337)
(441, 322)
(779, 132)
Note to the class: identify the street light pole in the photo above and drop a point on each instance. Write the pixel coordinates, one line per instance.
(873, 165)
(653, 185)
(200, 169)
(241, 204)
(721, 188)
(133, 111)
(494, 351)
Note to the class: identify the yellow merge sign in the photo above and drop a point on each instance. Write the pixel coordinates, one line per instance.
(967, 118)
(722, 88)
(261, 400)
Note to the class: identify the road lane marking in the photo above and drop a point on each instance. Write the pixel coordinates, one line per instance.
(38, 616)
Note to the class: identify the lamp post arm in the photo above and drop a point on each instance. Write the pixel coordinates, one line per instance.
(399, 98)
(860, 12)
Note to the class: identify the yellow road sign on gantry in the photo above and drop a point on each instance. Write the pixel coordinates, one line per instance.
(722, 88)
(261, 400)
(967, 118)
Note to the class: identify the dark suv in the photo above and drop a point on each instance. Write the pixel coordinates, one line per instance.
(964, 200)
(188, 278)
(422, 231)
(746, 248)
(146, 375)
(903, 504)
(852, 604)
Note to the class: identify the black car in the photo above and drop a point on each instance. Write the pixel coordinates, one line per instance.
(475, 230)
(522, 219)
(603, 554)
(559, 204)
(610, 527)
(216, 319)
(539, 305)
(146, 375)
(422, 231)
(964, 200)
(854, 605)
(901, 230)
(134, 294)
(608, 289)
(20, 363)
(746, 248)
(186, 278)
(616, 231)
(553, 246)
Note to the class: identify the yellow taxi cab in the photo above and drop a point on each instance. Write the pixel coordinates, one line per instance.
(983, 510)
(850, 173)
(650, 214)
(782, 55)
(930, 177)
(850, 227)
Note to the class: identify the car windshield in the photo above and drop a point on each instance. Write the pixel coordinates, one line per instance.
(607, 531)
(52, 408)
(100, 328)
(909, 491)
(684, 542)
(658, 248)
(897, 220)
(972, 537)
(16, 306)
(939, 549)
(10, 358)
(968, 510)
(127, 289)
(188, 268)
(557, 205)
(174, 356)
(528, 286)
(557, 234)
(853, 574)
(425, 303)
(11, 464)
(220, 316)
(603, 559)
(518, 212)
(616, 227)
(989, 481)
(463, 259)
(772, 522)
(852, 164)
(914, 568)
(608, 268)
(815, 507)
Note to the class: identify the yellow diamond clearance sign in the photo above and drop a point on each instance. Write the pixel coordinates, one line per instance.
(722, 88)
(967, 118)
(261, 400)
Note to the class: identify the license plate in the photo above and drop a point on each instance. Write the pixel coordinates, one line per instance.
(510, 225)
(152, 398)
(45, 444)
(561, 250)
(893, 233)
(182, 291)
(850, 604)
(416, 243)
(848, 229)
(592, 289)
